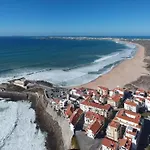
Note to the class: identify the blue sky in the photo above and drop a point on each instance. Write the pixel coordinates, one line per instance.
(75, 17)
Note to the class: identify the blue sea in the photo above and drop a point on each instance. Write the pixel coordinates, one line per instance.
(63, 61)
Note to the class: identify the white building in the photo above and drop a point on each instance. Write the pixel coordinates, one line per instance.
(129, 118)
(131, 105)
(113, 130)
(147, 103)
(93, 129)
(108, 144)
(90, 117)
(104, 110)
(133, 134)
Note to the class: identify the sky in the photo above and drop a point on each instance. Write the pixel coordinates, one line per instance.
(75, 17)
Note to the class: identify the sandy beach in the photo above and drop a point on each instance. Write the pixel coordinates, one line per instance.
(126, 72)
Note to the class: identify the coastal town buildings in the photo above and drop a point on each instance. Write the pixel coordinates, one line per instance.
(125, 144)
(129, 118)
(107, 113)
(113, 130)
(69, 111)
(108, 144)
(114, 101)
(131, 105)
(75, 118)
(102, 90)
(104, 110)
(147, 103)
(90, 117)
(94, 128)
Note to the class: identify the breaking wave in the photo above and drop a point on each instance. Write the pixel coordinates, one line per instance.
(76, 75)
(17, 127)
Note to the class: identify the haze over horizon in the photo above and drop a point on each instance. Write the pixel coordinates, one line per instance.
(86, 17)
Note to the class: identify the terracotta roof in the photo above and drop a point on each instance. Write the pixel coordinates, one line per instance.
(131, 103)
(93, 116)
(104, 88)
(140, 90)
(115, 98)
(125, 143)
(114, 124)
(124, 114)
(95, 127)
(69, 110)
(109, 143)
(56, 100)
(76, 116)
(96, 105)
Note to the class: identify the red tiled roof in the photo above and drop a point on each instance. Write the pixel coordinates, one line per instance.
(109, 143)
(76, 116)
(131, 103)
(125, 143)
(95, 127)
(114, 124)
(115, 98)
(93, 116)
(104, 88)
(96, 105)
(124, 114)
(69, 110)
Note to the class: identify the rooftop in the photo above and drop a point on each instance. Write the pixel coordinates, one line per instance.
(95, 126)
(69, 110)
(129, 116)
(115, 98)
(114, 124)
(125, 143)
(96, 105)
(93, 116)
(131, 103)
(109, 143)
(76, 116)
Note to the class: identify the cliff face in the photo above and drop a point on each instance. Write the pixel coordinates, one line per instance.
(64, 127)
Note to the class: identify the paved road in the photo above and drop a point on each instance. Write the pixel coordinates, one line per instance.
(86, 143)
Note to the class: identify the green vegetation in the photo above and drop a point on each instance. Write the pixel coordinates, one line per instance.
(145, 114)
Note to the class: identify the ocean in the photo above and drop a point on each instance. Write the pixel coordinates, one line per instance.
(62, 61)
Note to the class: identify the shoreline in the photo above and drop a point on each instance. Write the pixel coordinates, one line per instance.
(124, 73)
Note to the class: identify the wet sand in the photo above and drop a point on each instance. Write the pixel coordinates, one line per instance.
(124, 73)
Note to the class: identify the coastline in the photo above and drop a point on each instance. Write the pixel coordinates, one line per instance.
(126, 72)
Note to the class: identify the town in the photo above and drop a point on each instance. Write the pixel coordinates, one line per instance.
(114, 116)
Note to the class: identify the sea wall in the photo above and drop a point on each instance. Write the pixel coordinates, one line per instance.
(14, 95)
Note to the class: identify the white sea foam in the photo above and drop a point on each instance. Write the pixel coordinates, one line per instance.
(17, 127)
(76, 76)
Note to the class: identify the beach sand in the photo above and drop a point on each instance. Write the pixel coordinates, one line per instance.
(126, 72)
